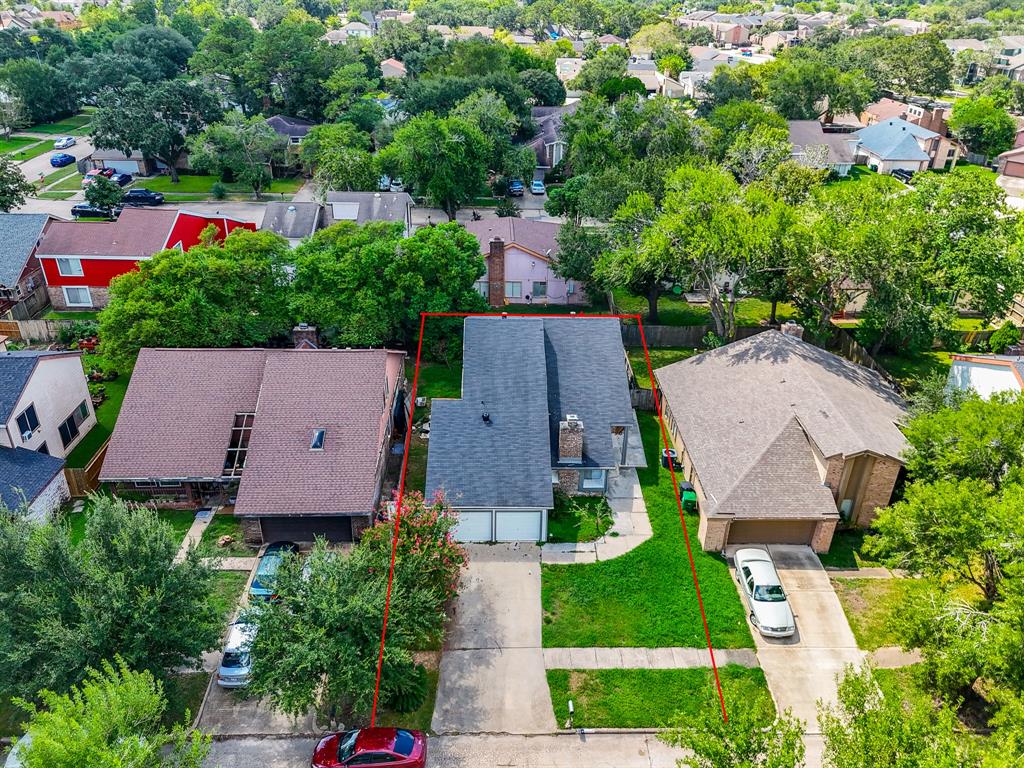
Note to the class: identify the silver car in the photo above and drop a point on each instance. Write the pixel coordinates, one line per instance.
(236, 663)
(762, 589)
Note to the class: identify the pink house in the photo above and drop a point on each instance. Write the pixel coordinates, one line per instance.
(520, 256)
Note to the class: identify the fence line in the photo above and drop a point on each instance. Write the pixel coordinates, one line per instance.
(83, 481)
(34, 330)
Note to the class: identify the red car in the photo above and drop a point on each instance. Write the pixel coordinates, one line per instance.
(394, 747)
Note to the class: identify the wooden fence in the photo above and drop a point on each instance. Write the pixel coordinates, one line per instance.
(676, 335)
(33, 330)
(83, 481)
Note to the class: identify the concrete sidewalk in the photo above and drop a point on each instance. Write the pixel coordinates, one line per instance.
(645, 658)
(195, 533)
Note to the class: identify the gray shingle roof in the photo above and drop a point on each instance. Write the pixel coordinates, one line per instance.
(15, 370)
(736, 407)
(292, 220)
(526, 374)
(895, 139)
(25, 472)
(19, 233)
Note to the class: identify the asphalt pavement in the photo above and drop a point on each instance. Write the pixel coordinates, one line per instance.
(32, 168)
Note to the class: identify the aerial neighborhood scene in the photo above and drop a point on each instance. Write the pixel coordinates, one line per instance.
(545, 384)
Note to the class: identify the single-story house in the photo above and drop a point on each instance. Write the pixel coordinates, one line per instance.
(815, 147)
(392, 68)
(44, 402)
(292, 221)
(350, 31)
(1011, 163)
(908, 26)
(898, 144)
(298, 437)
(609, 40)
(22, 287)
(545, 407)
(80, 258)
(520, 255)
(548, 144)
(33, 480)
(986, 374)
(566, 69)
(446, 32)
(466, 32)
(363, 207)
(781, 440)
(135, 164)
(292, 129)
(646, 71)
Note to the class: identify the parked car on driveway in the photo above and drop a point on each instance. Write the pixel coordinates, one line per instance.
(393, 747)
(60, 159)
(235, 663)
(537, 187)
(262, 587)
(140, 196)
(515, 188)
(86, 211)
(396, 185)
(90, 176)
(121, 179)
(65, 142)
(763, 592)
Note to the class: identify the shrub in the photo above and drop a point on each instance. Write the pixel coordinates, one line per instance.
(506, 209)
(218, 190)
(77, 329)
(1006, 335)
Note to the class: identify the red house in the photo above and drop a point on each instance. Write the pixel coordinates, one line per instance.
(79, 259)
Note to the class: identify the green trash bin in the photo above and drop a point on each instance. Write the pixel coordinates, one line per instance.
(689, 497)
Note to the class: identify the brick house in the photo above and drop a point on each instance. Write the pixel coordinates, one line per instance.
(79, 259)
(296, 439)
(545, 406)
(782, 440)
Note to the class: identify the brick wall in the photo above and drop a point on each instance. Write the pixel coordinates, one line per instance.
(823, 532)
(359, 524)
(570, 441)
(834, 474)
(100, 298)
(878, 490)
(569, 481)
(49, 501)
(712, 533)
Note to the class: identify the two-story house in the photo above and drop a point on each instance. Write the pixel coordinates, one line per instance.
(22, 287)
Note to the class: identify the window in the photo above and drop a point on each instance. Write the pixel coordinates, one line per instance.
(238, 447)
(316, 443)
(480, 286)
(592, 479)
(570, 287)
(540, 290)
(168, 483)
(77, 296)
(69, 427)
(513, 290)
(373, 758)
(295, 139)
(83, 410)
(70, 267)
(28, 422)
(144, 484)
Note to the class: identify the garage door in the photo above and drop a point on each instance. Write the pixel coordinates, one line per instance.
(473, 525)
(518, 525)
(122, 166)
(306, 528)
(771, 531)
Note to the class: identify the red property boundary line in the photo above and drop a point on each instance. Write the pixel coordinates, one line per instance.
(405, 466)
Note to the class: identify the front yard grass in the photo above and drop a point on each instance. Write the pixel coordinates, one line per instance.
(649, 698)
(576, 519)
(34, 150)
(872, 606)
(646, 597)
(660, 357)
(225, 525)
(419, 719)
(846, 551)
(72, 183)
(106, 416)
(184, 692)
(203, 185)
(54, 195)
(69, 125)
(227, 590)
(675, 310)
(15, 144)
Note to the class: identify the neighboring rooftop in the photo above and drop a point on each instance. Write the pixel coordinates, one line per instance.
(362, 207)
(538, 237)
(895, 139)
(293, 127)
(16, 368)
(137, 232)
(804, 134)
(292, 220)
(19, 233)
(24, 474)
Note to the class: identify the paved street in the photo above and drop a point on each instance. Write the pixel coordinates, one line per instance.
(32, 168)
(246, 211)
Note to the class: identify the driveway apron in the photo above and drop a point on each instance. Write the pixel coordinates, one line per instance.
(492, 677)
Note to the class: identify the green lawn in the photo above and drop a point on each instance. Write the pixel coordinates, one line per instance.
(435, 380)
(72, 183)
(573, 519)
(872, 607)
(202, 185)
(649, 698)
(551, 309)
(227, 590)
(910, 369)
(54, 315)
(660, 357)
(418, 719)
(225, 525)
(860, 174)
(60, 173)
(180, 520)
(75, 125)
(646, 597)
(675, 310)
(54, 195)
(15, 143)
(27, 153)
(106, 416)
(845, 551)
(959, 324)
(184, 693)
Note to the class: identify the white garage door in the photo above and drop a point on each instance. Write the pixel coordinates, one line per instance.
(473, 525)
(518, 525)
(122, 166)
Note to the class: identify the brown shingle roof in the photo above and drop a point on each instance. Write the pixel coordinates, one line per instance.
(536, 236)
(137, 232)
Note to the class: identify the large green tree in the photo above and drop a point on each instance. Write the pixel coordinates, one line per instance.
(984, 126)
(14, 188)
(163, 48)
(247, 148)
(222, 57)
(338, 155)
(226, 294)
(44, 90)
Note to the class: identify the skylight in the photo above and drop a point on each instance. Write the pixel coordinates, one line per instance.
(317, 441)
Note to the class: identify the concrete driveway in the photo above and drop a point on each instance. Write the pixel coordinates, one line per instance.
(41, 164)
(492, 677)
(802, 670)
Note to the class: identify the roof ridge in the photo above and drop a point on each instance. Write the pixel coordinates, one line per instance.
(756, 461)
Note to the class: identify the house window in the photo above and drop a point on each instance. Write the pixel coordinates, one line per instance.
(238, 447)
(44, 449)
(316, 443)
(168, 483)
(295, 139)
(480, 286)
(83, 410)
(144, 484)
(513, 290)
(570, 287)
(28, 423)
(77, 296)
(70, 267)
(69, 427)
(592, 479)
(540, 290)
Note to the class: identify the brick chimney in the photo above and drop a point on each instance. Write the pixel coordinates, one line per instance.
(570, 440)
(304, 336)
(496, 273)
(792, 329)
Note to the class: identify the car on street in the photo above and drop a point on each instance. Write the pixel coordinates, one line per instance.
(384, 183)
(60, 159)
(235, 663)
(537, 187)
(86, 211)
(90, 176)
(396, 185)
(140, 196)
(262, 587)
(516, 188)
(121, 179)
(393, 747)
(763, 592)
(65, 142)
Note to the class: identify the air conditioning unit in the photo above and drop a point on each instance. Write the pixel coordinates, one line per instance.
(570, 417)
(26, 436)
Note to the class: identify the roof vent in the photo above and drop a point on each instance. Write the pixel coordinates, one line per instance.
(571, 417)
(486, 417)
(291, 209)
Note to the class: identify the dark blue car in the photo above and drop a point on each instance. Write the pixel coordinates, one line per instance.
(60, 159)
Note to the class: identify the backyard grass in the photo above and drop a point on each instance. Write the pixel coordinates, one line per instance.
(54, 315)
(418, 719)
(225, 525)
(227, 590)
(649, 698)
(845, 551)
(646, 597)
(106, 416)
(184, 692)
(72, 125)
(872, 607)
(435, 380)
(910, 370)
(675, 310)
(660, 357)
(574, 519)
(203, 185)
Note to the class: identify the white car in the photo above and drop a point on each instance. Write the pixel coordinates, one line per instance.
(762, 589)
(64, 142)
(236, 663)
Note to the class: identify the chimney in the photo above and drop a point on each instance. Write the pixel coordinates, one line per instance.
(304, 336)
(792, 329)
(570, 439)
(496, 272)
